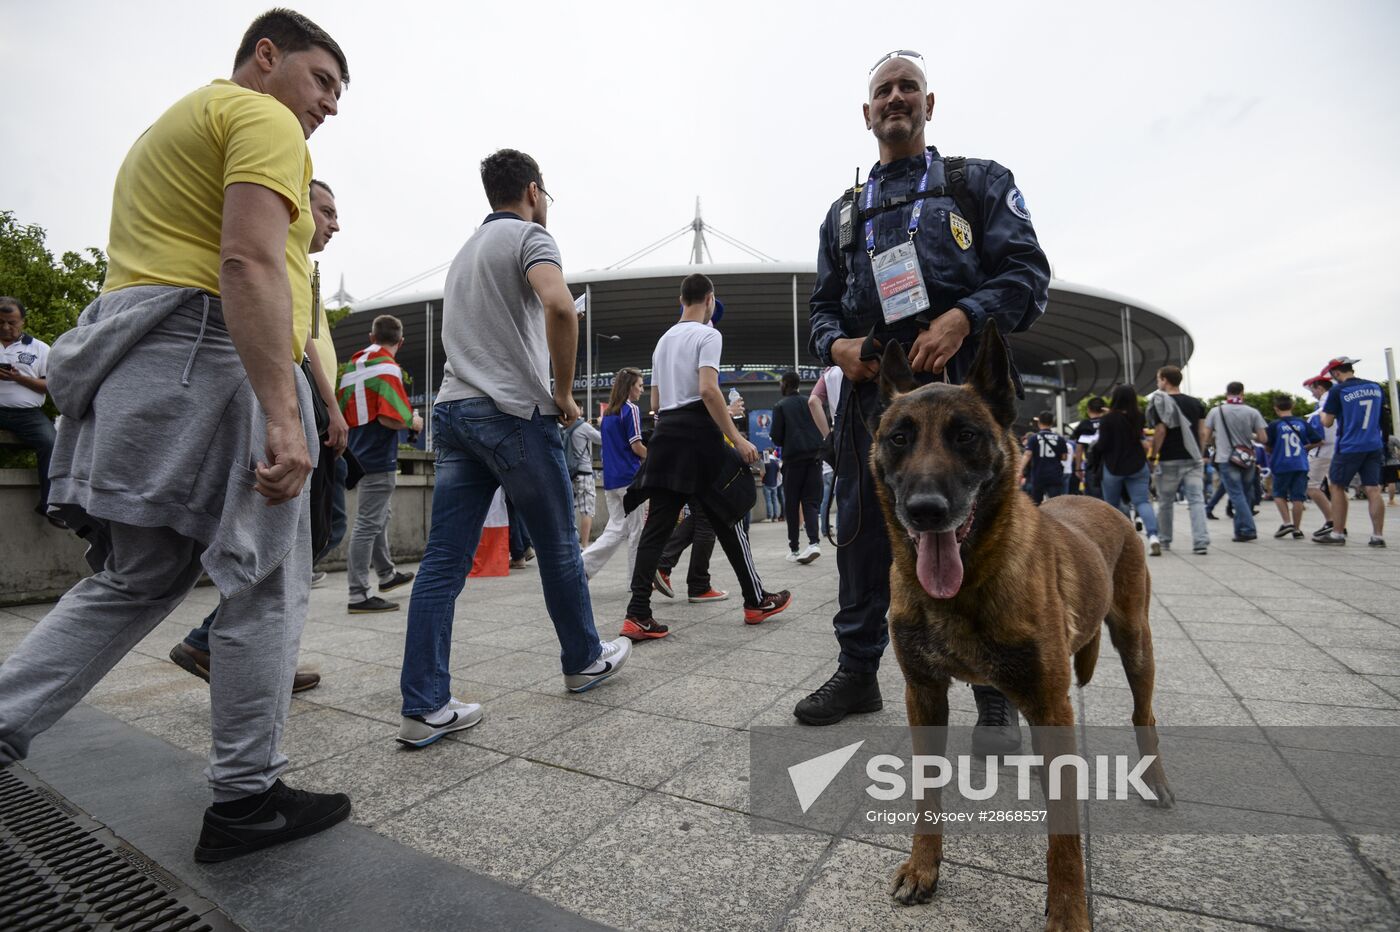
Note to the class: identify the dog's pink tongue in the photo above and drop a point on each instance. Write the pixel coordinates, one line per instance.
(940, 566)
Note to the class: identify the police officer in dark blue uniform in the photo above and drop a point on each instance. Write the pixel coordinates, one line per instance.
(975, 259)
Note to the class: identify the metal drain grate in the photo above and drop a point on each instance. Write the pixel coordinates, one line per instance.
(62, 870)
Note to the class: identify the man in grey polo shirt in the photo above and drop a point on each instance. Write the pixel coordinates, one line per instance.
(507, 316)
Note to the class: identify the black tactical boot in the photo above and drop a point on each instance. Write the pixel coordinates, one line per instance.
(847, 691)
(998, 729)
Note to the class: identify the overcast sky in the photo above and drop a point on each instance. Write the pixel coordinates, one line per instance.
(1233, 164)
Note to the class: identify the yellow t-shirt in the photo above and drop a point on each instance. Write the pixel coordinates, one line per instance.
(168, 206)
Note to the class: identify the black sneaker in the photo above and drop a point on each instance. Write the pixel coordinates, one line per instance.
(1375, 541)
(1298, 534)
(1283, 531)
(1245, 538)
(998, 728)
(283, 815)
(1333, 538)
(1211, 516)
(398, 579)
(847, 692)
(372, 604)
(1323, 531)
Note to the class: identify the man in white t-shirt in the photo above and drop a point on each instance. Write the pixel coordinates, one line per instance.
(688, 462)
(24, 368)
(1320, 457)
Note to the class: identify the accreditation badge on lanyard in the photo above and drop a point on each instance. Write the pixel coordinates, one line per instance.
(897, 273)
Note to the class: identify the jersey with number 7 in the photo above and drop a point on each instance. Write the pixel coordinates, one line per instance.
(1356, 404)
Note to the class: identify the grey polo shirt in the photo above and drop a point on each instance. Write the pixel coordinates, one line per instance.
(493, 322)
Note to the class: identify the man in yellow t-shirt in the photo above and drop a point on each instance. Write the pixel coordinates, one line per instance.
(186, 436)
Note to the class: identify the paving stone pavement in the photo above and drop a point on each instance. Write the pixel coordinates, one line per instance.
(629, 804)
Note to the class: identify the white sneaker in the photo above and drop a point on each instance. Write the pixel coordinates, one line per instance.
(1154, 545)
(809, 554)
(318, 578)
(792, 557)
(614, 655)
(419, 731)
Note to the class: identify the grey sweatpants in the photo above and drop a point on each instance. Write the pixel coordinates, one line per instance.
(369, 541)
(147, 574)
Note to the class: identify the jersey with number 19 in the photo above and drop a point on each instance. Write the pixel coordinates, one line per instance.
(1356, 404)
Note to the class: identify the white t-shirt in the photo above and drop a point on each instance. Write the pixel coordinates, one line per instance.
(31, 359)
(680, 354)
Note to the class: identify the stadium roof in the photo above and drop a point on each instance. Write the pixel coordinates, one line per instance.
(1083, 325)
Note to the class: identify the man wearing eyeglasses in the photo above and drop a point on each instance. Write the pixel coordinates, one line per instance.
(965, 226)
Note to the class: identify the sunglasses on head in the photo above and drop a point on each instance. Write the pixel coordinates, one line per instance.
(908, 54)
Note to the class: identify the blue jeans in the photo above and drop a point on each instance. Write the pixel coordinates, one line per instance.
(1137, 485)
(479, 449)
(1234, 479)
(33, 428)
(770, 502)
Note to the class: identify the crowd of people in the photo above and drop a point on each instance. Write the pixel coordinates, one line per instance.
(1176, 450)
(208, 430)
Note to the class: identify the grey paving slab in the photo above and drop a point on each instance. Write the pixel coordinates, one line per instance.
(1116, 915)
(1307, 686)
(348, 878)
(696, 698)
(850, 891)
(718, 776)
(1228, 655)
(763, 666)
(518, 721)
(1267, 712)
(388, 778)
(1299, 882)
(1109, 705)
(1361, 660)
(1267, 631)
(715, 884)
(513, 820)
(630, 747)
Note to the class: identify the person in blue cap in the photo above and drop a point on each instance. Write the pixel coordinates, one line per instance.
(965, 225)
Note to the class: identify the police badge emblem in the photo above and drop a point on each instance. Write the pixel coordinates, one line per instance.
(962, 231)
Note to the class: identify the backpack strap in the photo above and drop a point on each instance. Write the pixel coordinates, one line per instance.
(955, 177)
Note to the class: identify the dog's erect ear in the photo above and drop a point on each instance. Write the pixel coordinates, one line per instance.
(896, 377)
(991, 376)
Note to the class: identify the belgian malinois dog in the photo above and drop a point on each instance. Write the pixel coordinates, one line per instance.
(990, 589)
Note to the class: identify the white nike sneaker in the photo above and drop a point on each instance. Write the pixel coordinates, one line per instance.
(614, 655)
(810, 553)
(419, 731)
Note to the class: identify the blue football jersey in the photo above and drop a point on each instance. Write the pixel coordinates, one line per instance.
(1288, 442)
(1356, 404)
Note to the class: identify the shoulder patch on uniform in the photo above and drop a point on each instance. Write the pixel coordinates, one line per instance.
(1017, 203)
(962, 231)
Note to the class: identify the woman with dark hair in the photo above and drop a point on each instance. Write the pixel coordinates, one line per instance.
(1124, 457)
(623, 452)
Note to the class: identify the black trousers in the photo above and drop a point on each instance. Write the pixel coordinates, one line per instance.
(863, 553)
(802, 491)
(695, 532)
(661, 522)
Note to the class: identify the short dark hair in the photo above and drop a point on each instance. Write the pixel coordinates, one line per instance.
(1172, 375)
(695, 288)
(1342, 367)
(290, 32)
(1283, 402)
(387, 330)
(789, 382)
(505, 174)
(8, 303)
(1234, 388)
(1046, 419)
(318, 183)
(1097, 404)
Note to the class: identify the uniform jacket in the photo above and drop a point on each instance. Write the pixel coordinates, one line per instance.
(1001, 275)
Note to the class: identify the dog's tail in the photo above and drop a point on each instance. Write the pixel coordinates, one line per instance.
(1086, 660)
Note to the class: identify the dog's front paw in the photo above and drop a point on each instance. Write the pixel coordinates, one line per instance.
(1156, 781)
(914, 884)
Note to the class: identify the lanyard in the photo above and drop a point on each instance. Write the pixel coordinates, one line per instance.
(870, 186)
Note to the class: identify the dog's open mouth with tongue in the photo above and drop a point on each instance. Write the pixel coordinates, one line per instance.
(939, 557)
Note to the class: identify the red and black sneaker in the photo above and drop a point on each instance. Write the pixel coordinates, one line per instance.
(661, 582)
(642, 629)
(713, 595)
(772, 604)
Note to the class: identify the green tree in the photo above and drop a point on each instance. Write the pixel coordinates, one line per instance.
(53, 291)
